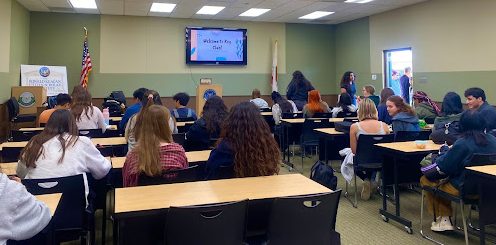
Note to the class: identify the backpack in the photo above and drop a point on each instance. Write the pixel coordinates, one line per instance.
(446, 132)
(113, 105)
(324, 175)
(343, 126)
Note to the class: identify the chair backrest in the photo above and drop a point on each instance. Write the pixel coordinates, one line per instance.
(322, 115)
(51, 102)
(216, 224)
(366, 152)
(429, 120)
(265, 109)
(42, 125)
(468, 187)
(185, 119)
(70, 212)
(313, 216)
(290, 115)
(12, 107)
(92, 133)
(189, 174)
(179, 138)
(11, 154)
(403, 136)
(18, 135)
(346, 114)
(308, 133)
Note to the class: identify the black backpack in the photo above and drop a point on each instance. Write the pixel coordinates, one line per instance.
(324, 175)
(446, 132)
(343, 126)
(113, 105)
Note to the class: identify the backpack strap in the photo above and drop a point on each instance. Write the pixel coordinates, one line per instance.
(190, 113)
(176, 114)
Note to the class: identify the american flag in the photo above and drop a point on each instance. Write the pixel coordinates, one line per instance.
(86, 64)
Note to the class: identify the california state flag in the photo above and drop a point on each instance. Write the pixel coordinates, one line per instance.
(274, 68)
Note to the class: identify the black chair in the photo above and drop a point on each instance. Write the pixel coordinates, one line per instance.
(98, 192)
(179, 138)
(468, 192)
(265, 109)
(185, 119)
(290, 115)
(11, 154)
(189, 174)
(346, 114)
(402, 136)
(18, 135)
(366, 158)
(309, 219)
(429, 120)
(215, 224)
(42, 125)
(14, 116)
(322, 115)
(71, 220)
(309, 137)
(92, 133)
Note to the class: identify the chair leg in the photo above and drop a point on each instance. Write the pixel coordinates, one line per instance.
(472, 226)
(464, 220)
(302, 155)
(355, 204)
(424, 235)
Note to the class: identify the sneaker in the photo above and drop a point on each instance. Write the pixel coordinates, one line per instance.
(365, 195)
(442, 224)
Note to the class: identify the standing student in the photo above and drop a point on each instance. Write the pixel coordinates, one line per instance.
(63, 102)
(298, 89)
(315, 104)
(348, 85)
(135, 108)
(259, 102)
(281, 105)
(207, 128)
(246, 147)
(406, 84)
(425, 107)
(368, 124)
(345, 105)
(403, 116)
(181, 111)
(452, 164)
(155, 152)
(58, 151)
(395, 82)
(22, 216)
(476, 100)
(382, 108)
(133, 124)
(87, 116)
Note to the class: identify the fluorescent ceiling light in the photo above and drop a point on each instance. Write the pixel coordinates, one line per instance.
(210, 10)
(315, 15)
(254, 12)
(358, 1)
(162, 7)
(83, 4)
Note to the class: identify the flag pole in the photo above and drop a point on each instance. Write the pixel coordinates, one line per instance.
(85, 32)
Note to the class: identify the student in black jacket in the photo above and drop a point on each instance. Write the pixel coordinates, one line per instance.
(476, 100)
(298, 89)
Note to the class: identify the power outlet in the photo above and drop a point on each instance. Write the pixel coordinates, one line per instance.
(374, 77)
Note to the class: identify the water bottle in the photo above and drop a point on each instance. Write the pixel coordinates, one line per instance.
(106, 116)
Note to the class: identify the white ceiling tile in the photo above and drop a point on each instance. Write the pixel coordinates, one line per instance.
(114, 7)
(57, 3)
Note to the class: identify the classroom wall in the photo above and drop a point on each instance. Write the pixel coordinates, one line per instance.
(130, 52)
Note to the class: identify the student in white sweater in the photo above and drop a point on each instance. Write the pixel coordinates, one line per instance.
(21, 215)
(87, 116)
(58, 151)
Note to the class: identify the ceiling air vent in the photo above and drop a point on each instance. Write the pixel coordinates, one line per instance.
(62, 10)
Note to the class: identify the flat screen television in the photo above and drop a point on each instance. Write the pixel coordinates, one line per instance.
(215, 46)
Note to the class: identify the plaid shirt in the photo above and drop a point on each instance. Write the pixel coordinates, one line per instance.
(172, 157)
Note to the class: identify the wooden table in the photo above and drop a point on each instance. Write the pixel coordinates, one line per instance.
(97, 141)
(266, 113)
(115, 119)
(9, 168)
(193, 157)
(182, 124)
(111, 127)
(51, 200)
(404, 154)
(327, 134)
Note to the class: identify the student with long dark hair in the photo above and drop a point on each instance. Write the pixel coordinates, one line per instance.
(281, 105)
(207, 127)
(446, 126)
(403, 116)
(298, 89)
(345, 105)
(87, 116)
(348, 85)
(382, 108)
(246, 147)
(155, 152)
(452, 164)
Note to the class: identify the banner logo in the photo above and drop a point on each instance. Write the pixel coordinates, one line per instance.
(26, 99)
(44, 71)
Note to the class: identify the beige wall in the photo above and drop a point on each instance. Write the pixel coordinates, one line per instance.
(157, 45)
(445, 35)
(5, 13)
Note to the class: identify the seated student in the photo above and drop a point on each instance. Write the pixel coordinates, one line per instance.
(403, 116)
(87, 116)
(424, 106)
(246, 147)
(207, 128)
(382, 108)
(63, 102)
(368, 92)
(315, 104)
(135, 108)
(344, 105)
(180, 110)
(281, 105)
(58, 151)
(368, 124)
(476, 100)
(133, 124)
(259, 102)
(451, 111)
(23, 216)
(452, 164)
(155, 152)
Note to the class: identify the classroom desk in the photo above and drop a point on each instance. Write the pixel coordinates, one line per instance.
(404, 154)
(111, 141)
(116, 119)
(266, 113)
(9, 168)
(51, 200)
(485, 177)
(182, 124)
(327, 134)
(111, 127)
(193, 157)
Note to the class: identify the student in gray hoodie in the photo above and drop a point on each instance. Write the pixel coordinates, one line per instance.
(21, 215)
(404, 117)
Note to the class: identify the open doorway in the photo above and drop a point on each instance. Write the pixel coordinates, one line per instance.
(398, 72)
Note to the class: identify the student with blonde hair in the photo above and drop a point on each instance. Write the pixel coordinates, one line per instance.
(368, 124)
